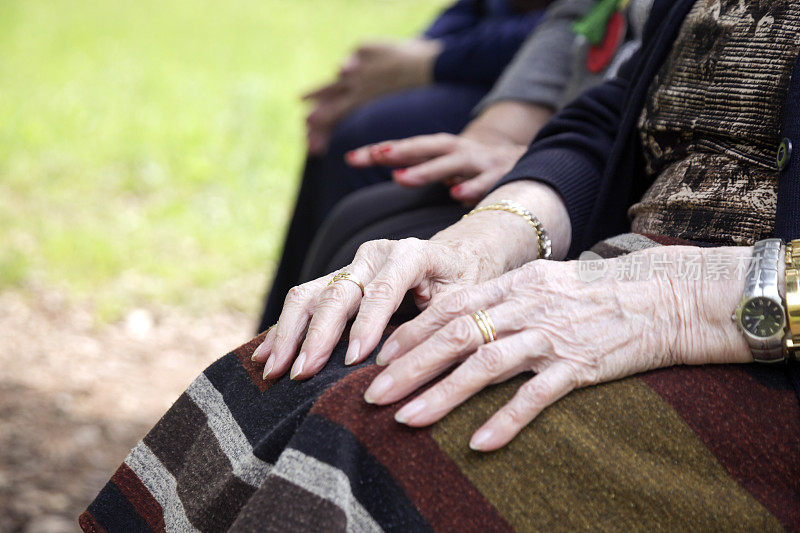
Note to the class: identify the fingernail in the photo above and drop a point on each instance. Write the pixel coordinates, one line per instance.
(457, 190)
(410, 411)
(480, 439)
(298, 366)
(350, 155)
(386, 354)
(268, 366)
(379, 388)
(257, 352)
(400, 171)
(352, 352)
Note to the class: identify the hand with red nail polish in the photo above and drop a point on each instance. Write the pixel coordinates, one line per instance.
(475, 160)
(476, 165)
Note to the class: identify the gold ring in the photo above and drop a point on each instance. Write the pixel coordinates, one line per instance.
(486, 326)
(347, 276)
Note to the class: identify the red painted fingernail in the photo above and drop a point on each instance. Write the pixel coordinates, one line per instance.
(350, 155)
(399, 172)
(457, 190)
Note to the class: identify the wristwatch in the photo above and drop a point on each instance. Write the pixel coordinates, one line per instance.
(761, 314)
(792, 260)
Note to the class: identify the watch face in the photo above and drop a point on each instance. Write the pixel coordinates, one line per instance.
(762, 317)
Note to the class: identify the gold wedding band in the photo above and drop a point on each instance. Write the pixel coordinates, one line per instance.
(486, 326)
(347, 276)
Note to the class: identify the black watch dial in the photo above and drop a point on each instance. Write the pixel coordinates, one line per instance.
(762, 317)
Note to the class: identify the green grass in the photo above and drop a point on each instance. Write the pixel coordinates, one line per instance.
(150, 150)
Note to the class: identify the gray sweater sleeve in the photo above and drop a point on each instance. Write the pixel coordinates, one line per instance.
(542, 68)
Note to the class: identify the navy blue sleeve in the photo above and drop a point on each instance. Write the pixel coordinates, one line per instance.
(479, 54)
(460, 16)
(570, 152)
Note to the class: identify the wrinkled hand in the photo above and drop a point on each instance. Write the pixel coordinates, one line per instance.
(373, 70)
(388, 269)
(475, 249)
(568, 332)
(471, 164)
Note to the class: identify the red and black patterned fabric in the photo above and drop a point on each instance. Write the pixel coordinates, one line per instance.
(701, 448)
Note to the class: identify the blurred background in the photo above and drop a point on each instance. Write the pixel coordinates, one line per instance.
(149, 155)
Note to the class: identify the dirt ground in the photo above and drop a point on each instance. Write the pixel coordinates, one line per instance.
(75, 397)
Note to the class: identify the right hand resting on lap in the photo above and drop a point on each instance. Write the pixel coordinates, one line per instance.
(470, 166)
(473, 250)
(470, 163)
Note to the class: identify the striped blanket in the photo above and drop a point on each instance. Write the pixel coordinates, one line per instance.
(698, 448)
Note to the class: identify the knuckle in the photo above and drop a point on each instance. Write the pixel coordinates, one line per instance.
(315, 333)
(534, 394)
(379, 290)
(409, 243)
(371, 248)
(490, 360)
(534, 271)
(457, 332)
(416, 366)
(451, 141)
(366, 248)
(585, 374)
(297, 295)
(333, 295)
(278, 341)
(518, 319)
(445, 389)
(515, 415)
(455, 303)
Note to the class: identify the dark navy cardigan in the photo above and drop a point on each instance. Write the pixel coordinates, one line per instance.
(591, 153)
(479, 38)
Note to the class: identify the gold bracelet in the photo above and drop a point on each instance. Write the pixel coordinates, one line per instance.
(543, 239)
(792, 276)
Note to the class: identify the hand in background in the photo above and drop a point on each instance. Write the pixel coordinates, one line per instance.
(470, 163)
(373, 70)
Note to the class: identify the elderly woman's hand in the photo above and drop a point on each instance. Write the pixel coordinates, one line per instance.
(387, 269)
(469, 166)
(475, 249)
(470, 163)
(570, 333)
(374, 69)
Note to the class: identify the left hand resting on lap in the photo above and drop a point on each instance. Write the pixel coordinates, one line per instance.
(570, 333)
(465, 253)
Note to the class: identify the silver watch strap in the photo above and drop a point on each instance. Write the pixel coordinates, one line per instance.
(762, 280)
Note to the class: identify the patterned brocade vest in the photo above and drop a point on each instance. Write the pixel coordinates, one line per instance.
(712, 123)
